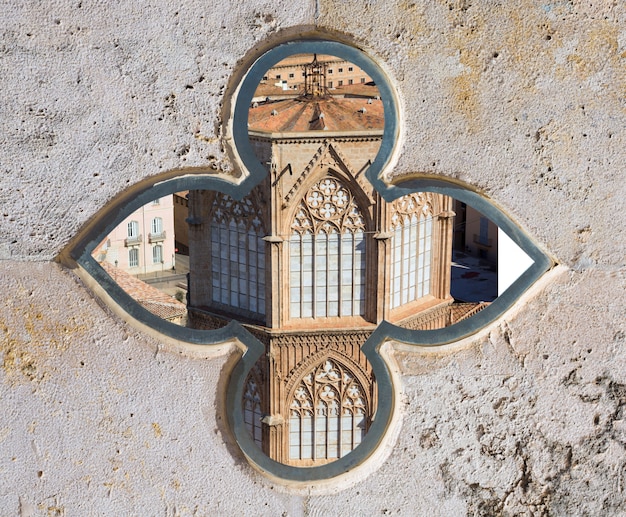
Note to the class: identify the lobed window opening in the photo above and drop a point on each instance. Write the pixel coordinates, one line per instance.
(282, 261)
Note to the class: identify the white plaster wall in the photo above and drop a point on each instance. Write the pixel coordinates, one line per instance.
(525, 420)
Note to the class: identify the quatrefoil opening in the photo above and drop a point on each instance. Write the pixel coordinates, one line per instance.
(312, 270)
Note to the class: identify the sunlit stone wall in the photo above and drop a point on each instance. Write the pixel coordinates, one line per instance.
(525, 102)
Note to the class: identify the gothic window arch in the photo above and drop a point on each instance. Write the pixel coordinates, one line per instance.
(327, 253)
(328, 414)
(252, 413)
(411, 251)
(237, 255)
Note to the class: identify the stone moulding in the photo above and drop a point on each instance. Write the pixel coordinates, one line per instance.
(78, 255)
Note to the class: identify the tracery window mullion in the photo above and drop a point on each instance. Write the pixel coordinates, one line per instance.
(333, 437)
(260, 247)
(233, 270)
(308, 273)
(411, 250)
(320, 276)
(346, 291)
(422, 257)
(320, 435)
(412, 274)
(358, 276)
(295, 275)
(396, 267)
(307, 442)
(253, 270)
(346, 423)
(404, 259)
(223, 264)
(428, 253)
(242, 266)
(237, 255)
(333, 287)
(336, 282)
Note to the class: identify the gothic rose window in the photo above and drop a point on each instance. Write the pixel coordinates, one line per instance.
(328, 414)
(327, 254)
(412, 225)
(237, 255)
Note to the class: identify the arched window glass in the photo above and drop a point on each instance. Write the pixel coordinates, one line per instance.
(157, 254)
(133, 257)
(328, 414)
(133, 229)
(327, 254)
(238, 255)
(411, 251)
(157, 226)
(252, 411)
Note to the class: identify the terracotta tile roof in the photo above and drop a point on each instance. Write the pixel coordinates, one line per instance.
(463, 310)
(149, 297)
(271, 91)
(339, 114)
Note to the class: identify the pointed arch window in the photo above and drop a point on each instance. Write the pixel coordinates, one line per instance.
(238, 255)
(328, 414)
(412, 225)
(252, 410)
(327, 254)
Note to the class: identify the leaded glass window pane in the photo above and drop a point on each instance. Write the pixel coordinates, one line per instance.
(329, 267)
(411, 249)
(237, 255)
(338, 422)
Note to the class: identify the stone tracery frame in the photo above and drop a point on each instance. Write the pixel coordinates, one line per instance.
(345, 389)
(327, 216)
(77, 255)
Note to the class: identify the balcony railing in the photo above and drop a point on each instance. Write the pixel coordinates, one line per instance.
(132, 241)
(156, 237)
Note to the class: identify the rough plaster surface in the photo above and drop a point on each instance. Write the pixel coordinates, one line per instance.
(526, 102)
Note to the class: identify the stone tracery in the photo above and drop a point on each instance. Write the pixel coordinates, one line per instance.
(327, 414)
(328, 206)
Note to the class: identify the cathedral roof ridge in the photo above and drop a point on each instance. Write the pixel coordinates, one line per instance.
(302, 114)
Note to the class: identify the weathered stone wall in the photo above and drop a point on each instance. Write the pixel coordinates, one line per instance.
(525, 101)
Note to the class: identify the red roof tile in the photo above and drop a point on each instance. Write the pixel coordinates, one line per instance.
(332, 114)
(157, 302)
